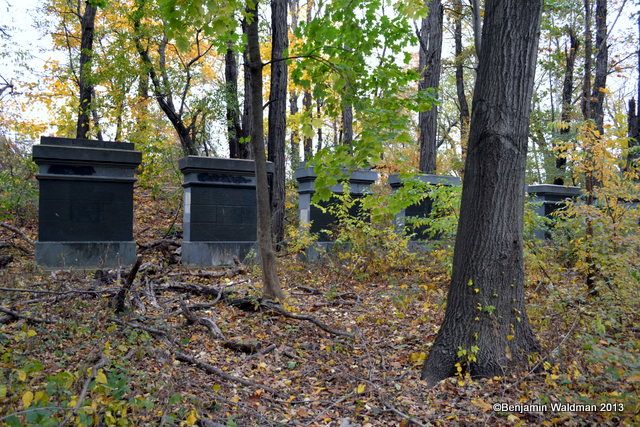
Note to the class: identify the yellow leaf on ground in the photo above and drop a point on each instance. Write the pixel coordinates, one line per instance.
(361, 388)
(486, 407)
(27, 398)
(192, 417)
(101, 378)
(22, 375)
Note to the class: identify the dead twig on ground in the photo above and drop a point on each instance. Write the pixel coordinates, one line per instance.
(278, 309)
(18, 232)
(14, 315)
(126, 286)
(101, 362)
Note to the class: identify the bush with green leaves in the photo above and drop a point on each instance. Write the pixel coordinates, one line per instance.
(18, 186)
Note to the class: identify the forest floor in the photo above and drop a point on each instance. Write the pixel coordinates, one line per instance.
(66, 357)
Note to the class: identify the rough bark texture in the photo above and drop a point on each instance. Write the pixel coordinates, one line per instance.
(293, 95)
(489, 250)
(463, 105)
(347, 125)
(84, 80)
(270, 283)
(247, 113)
(278, 114)
(233, 111)
(567, 96)
(477, 25)
(588, 53)
(602, 66)
(430, 64)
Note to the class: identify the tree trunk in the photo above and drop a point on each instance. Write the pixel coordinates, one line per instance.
(247, 113)
(347, 125)
(308, 141)
(485, 305)
(477, 25)
(293, 96)
(318, 113)
(84, 81)
(278, 114)
(270, 283)
(430, 63)
(588, 53)
(567, 96)
(462, 97)
(233, 112)
(602, 66)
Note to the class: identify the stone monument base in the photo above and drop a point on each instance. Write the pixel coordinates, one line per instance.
(215, 254)
(85, 255)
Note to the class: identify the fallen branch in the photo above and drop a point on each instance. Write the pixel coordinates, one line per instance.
(278, 309)
(126, 286)
(102, 362)
(204, 321)
(262, 352)
(206, 367)
(210, 369)
(17, 316)
(18, 232)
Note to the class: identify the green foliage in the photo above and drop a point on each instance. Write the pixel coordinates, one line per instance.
(18, 187)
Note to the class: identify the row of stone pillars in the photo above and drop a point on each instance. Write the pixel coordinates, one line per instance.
(86, 205)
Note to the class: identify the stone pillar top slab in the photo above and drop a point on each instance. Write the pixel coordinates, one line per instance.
(359, 181)
(83, 151)
(560, 190)
(209, 164)
(396, 181)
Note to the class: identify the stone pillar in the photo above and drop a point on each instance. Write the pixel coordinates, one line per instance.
(550, 197)
(422, 209)
(359, 183)
(220, 210)
(85, 204)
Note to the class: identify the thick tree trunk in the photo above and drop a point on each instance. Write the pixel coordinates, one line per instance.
(84, 80)
(430, 64)
(270, 283)
(460, 91)
(233, 111)
(247, 113)
(567, 97)
(278, 114)
(485, 305)
(602, 66)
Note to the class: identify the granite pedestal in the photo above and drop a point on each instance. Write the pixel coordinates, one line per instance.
(220, 210)
(424, 207)
(549, 198)
(321, 222)
(85, 203)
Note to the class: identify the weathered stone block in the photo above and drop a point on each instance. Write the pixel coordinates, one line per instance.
(85, 203)
(550, 198)
(422, 209)
(359, 185)
(219, 210)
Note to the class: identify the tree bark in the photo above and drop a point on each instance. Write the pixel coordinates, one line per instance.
(567, 97)
(84, 80)
(233, 111)
(430, 64)
(347, 125)
(293, 96)
(460, 91)
(602, 66)
(247, 113)
(270, 283)
(488, 252)
(278, 114)
(477, 26)
(162, 91)
(588, 53)
(308, 141)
